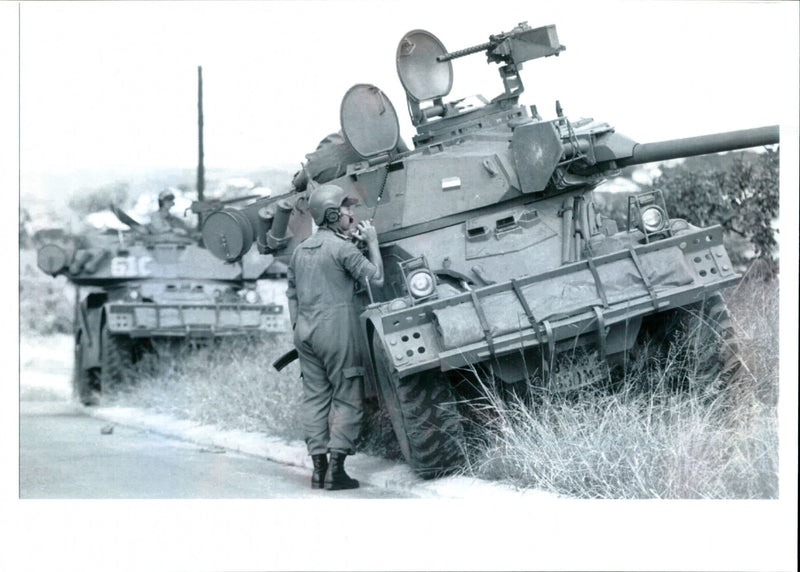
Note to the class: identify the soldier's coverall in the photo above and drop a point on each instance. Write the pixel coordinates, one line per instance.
(161, 222)
(321, 277)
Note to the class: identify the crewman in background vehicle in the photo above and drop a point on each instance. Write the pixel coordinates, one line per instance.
(322, 274)
(163, 221)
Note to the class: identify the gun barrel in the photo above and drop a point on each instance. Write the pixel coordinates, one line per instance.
(702, 145)
(465, 52)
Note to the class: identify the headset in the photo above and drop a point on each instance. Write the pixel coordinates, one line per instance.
(332, 216)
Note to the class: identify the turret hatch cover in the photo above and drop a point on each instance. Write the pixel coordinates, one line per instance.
(423, 77)
(369, 121)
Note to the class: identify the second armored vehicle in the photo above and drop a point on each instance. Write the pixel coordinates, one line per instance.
(133, 287)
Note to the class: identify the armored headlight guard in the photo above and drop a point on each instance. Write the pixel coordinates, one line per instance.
(421, 283)
(648, 213)
(653, 219)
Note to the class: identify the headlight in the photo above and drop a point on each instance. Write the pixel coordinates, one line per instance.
(133, 295)
(653, 219)
(421, 283)
(251, 296)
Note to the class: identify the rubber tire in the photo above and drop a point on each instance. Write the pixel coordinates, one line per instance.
(85, 384)
(116, 356)
(710, 331)
(422, 410)
(717, 353)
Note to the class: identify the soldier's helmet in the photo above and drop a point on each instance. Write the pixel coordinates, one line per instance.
(165, 196)
(327, 197)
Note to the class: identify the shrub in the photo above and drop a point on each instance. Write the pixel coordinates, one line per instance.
(739, 191)
(45, 303)
(743, 198)
(88, 201)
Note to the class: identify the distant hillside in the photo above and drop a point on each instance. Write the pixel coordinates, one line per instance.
(45, 198)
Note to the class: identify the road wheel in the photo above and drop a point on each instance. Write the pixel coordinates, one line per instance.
(116, 357)
(85, 385)
(702, 335)
(422, 409)
(711, 337)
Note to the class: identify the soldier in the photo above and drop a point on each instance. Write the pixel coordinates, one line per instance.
(163, 221)
(321, 276)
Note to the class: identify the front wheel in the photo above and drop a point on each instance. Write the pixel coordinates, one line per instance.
(422, 409)
(116, 357)
(711, 335)
(85, 384)
(700, 337)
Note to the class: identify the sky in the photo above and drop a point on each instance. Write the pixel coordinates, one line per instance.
(113, 84)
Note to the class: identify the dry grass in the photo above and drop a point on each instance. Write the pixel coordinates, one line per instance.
(230, 383)
(642, 438)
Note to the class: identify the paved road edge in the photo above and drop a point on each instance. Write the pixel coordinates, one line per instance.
(377, 472)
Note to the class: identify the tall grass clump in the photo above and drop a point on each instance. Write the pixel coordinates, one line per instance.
(230, 383)
(653, 433)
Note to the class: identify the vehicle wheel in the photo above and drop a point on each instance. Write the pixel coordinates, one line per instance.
(84, 382)
(116, 356)
(422, 409)
(703, 332)
(710, 333)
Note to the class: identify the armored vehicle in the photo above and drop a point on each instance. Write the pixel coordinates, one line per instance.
(495, 255)
(133, 287)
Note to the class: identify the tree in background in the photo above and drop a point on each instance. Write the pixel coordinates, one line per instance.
(742, 197)
(95, 200)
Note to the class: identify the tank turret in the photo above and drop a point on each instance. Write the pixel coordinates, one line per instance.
(495, 206)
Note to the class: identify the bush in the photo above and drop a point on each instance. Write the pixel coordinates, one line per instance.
(46, 304)
(94, 200)
(739, 191)
(743, 198)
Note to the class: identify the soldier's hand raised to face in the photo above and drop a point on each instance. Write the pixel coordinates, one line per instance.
(366, 231)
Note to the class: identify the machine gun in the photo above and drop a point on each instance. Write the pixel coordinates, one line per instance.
(512, 48)
(420, 50)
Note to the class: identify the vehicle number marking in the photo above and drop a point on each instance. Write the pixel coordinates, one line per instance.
(127, 266)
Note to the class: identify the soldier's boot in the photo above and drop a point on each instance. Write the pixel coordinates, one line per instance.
(320, 468)
(336, 478)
